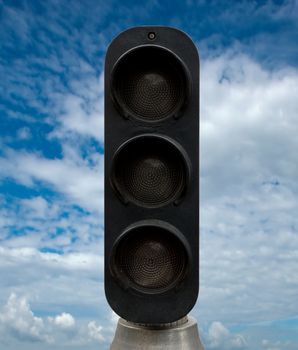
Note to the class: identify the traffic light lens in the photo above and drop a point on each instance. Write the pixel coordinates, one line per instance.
(149, 83)
(150, 171)
(150, 258)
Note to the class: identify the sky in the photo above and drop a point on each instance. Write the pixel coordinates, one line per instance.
(51, 169)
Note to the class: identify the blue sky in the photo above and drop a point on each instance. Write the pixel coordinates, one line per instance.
(51, 169)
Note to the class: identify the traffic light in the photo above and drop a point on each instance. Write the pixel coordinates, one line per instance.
(152, 174)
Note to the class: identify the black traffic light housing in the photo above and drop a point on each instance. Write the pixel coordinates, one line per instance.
(152, 174)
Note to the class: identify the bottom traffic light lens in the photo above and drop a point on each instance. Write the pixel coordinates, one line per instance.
(150, 258)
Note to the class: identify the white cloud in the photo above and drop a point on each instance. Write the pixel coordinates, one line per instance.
(220, 338)
(24, 133)
(70, 261)
(18, 320)
(266, 344)
(38, 207)
(64, 320)
(82, 111)
(248, 191)
(52, 279)
(81, 183)
(50, 223)
(95, 331)
(248, 125)
(277, 345)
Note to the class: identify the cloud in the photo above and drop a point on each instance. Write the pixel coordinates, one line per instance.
(19, 321)
(278, 345)
(248, 190)
(52, 278)
(80, 112)
(80, 182)
(64, 320)
(250, 113)
(67, 262)
(38, 207)
(219, 337)
(24, 133)
(95, 331)
(268, 346)
(49, 223)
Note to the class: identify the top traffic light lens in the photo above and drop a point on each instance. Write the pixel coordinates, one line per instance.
(150, 83)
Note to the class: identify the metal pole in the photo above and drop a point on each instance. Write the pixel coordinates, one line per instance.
(180, 335)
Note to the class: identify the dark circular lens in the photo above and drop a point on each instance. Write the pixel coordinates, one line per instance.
(151, 258)
(149, 83)
(150, 171)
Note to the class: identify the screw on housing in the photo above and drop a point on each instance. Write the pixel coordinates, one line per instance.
(151, 36)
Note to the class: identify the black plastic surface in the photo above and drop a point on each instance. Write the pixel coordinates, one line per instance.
(152, 187)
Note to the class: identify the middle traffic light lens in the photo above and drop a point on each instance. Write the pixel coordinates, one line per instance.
(150, 171)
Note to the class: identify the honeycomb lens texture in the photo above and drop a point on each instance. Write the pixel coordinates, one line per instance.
(151, 258)
(150, 172)
(149, 83)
